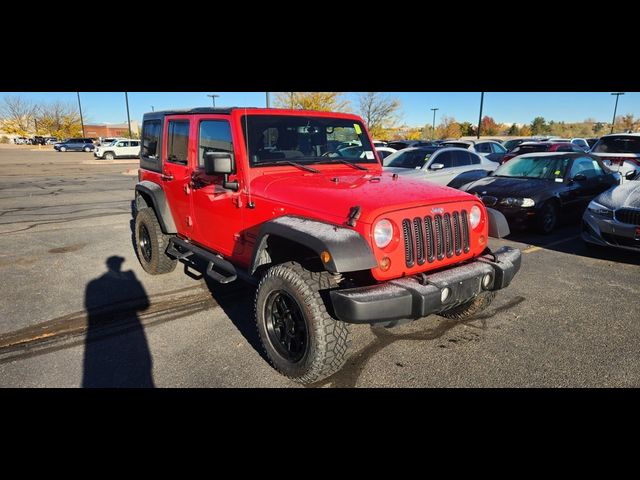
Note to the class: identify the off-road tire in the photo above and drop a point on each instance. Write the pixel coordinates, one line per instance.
(327, 338)
(470, 308)
(158, 262)
(109, 156)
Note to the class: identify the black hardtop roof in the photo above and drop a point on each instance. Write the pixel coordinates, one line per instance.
(178, 111)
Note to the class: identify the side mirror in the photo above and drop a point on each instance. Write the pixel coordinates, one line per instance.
(221, 163)
(218, 163)
(436, 166)
(579, 178)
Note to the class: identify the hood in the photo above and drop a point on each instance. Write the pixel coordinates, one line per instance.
(334, 192)
(512, 187)
(626, 195)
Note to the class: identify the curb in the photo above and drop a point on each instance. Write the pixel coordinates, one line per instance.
(110, 162)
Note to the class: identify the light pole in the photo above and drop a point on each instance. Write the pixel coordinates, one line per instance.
(480, 117)
(80, 108)
(268, 99)
(126, 99)
(213, 98)
(152, 108)
(615, 109)
(433, 128)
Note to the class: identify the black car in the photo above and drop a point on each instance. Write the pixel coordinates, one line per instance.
(541, 189)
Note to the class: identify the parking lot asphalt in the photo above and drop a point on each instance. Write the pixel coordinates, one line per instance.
(570, 317)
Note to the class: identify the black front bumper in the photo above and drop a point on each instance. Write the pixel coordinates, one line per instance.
(416, 297)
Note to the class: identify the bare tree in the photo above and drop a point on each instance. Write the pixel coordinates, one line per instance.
(17, 115)
(377, 110)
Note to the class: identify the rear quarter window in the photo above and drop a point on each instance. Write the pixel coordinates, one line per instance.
(150, 149)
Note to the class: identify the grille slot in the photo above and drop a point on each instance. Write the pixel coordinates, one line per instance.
(433, 238)
(628, 215)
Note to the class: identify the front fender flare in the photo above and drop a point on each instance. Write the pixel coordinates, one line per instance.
(349, 251)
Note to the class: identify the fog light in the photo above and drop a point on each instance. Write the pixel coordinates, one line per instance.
(444, 294)
(481, 240)
(385, 264)
(486, 280)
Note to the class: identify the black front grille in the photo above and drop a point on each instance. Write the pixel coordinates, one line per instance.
(432, 238)
(628, 215)
(620, 240)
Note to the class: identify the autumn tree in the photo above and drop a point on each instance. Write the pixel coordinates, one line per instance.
(488, 126)
(525, 131)
(324, 101)
(59, 119)
(17, 115)
(448, 128)
(625, 123)
(598, 128)
(378, 111)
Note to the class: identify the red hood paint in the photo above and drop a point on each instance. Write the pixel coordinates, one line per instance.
(320, 192)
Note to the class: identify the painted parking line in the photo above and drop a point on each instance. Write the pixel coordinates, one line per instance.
(552, 244)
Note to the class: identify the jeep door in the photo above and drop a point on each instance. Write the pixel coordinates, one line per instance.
(176, 171)
(216, 210)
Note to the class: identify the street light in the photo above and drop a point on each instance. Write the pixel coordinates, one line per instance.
(615, 109)
(267, 99)
(126, 99)
(480, 117)
(80, 108)
(213, 98)
(152, 108)
(433, 129)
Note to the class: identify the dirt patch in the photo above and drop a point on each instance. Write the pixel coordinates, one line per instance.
(68, 248)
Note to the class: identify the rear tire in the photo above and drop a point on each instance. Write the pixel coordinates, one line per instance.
(151, 244)
(299, 337)
(470, 308)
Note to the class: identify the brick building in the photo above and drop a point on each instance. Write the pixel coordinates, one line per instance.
(102, 130)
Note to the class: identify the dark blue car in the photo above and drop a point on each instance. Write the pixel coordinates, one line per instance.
(75, 145)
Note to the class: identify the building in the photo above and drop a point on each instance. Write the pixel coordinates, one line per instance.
(103, 130)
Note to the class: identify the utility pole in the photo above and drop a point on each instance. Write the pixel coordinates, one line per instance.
(126, 98)
(291, 98)
(615, 109)
(433, 129)
(213, 98)
(268, 100)
(80, 108)
(152, 108)
(480, 117)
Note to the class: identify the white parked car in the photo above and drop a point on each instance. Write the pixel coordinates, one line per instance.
(487, 148)
(384, 152)
(453, 167)
(619, 151)
(119, 148)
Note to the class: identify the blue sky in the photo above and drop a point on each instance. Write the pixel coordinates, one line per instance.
(519, 107)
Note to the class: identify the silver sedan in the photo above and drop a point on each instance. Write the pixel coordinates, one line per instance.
(613, 218)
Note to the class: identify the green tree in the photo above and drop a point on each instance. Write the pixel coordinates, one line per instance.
(467, 129)
(324, 101)
(539, 126)
(513, 130)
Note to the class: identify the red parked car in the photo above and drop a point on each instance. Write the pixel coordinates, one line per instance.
(535, 147)
(327, 237)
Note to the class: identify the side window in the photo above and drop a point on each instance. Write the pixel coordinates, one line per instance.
(483, 148)
(177, 141)
(475, 159)
(585, 166)
(150, 138)
(498, 148)
(445, 158)
(214, 136)
(135, 144)
(121, 144)
(461, 159)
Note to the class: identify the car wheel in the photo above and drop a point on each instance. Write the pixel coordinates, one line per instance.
(151, 244)
(548, 218)
(299, 337)
(87, 149)
(109, 156)
(63, 149)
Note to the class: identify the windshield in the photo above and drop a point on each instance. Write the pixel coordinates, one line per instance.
(545, 168)
(306, 139)
(409, 158)
(618, 145)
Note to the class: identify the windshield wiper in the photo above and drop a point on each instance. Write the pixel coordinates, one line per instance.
(346, 162)
(287, 162)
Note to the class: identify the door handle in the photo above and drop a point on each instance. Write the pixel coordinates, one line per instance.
(166, 178)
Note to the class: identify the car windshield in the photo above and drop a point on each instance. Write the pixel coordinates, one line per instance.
(618, 145)
(306, 139)
(545, 168)
(409, 158)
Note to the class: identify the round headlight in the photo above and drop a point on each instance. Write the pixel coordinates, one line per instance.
(474, 216)
(383, 233)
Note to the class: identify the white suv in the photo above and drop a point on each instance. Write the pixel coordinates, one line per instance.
(120, 148)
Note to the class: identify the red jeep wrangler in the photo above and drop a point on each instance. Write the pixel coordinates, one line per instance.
(296, 202)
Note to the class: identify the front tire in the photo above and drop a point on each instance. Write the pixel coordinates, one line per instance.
(87, 149)
(300, 339)
(548, 218)
(109, 156)
(471, 307)
(63, 149)
(151, 244)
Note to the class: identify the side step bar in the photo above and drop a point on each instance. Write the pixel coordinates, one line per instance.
(230, 274)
